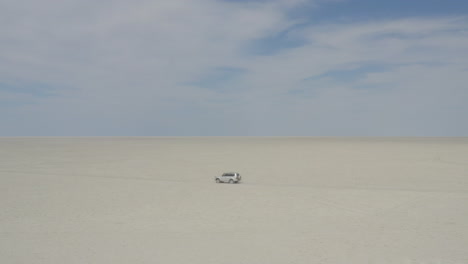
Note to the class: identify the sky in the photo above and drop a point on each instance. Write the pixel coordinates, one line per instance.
(234, 68)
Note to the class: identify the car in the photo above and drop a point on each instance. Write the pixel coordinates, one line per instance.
(230, 177)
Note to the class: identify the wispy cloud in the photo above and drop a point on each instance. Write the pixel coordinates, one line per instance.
(221, 79)
(199, 67)
(33, 89)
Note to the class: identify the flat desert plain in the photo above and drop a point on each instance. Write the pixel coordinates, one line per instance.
(302, 200)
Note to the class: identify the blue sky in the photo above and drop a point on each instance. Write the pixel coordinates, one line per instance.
(368, 9)
(233, 68)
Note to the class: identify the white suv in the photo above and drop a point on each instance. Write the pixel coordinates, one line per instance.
(231, 177)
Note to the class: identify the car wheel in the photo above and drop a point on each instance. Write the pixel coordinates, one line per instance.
(231, 181)
(217, 180)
